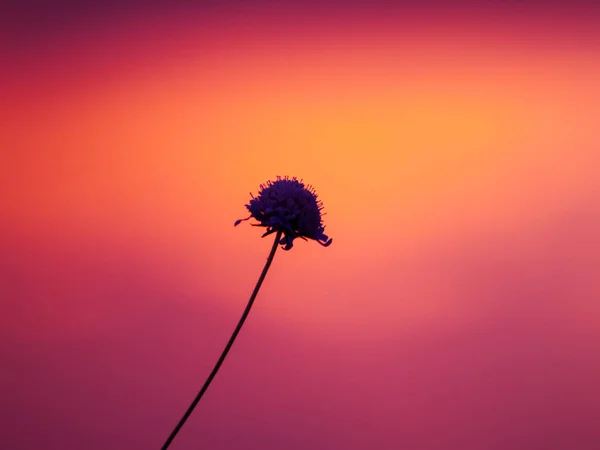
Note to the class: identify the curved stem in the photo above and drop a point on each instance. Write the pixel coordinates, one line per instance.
(229, 344)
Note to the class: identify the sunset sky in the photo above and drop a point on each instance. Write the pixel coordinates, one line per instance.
(456, 150)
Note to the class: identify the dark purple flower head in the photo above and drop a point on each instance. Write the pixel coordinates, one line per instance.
(289, 206)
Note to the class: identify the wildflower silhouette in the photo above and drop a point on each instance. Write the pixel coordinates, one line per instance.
(290, 209)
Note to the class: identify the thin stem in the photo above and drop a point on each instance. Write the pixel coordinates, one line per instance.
(229, 344)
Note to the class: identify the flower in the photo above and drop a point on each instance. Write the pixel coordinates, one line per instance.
(289, 206)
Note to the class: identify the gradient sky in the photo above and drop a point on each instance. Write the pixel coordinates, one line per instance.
(456, 150)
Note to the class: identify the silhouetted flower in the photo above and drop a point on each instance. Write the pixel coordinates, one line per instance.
(291, 210)
(289, 206)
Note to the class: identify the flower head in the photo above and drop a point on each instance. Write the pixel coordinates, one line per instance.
(289, 206)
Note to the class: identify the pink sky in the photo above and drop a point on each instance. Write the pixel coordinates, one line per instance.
(456, 154)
